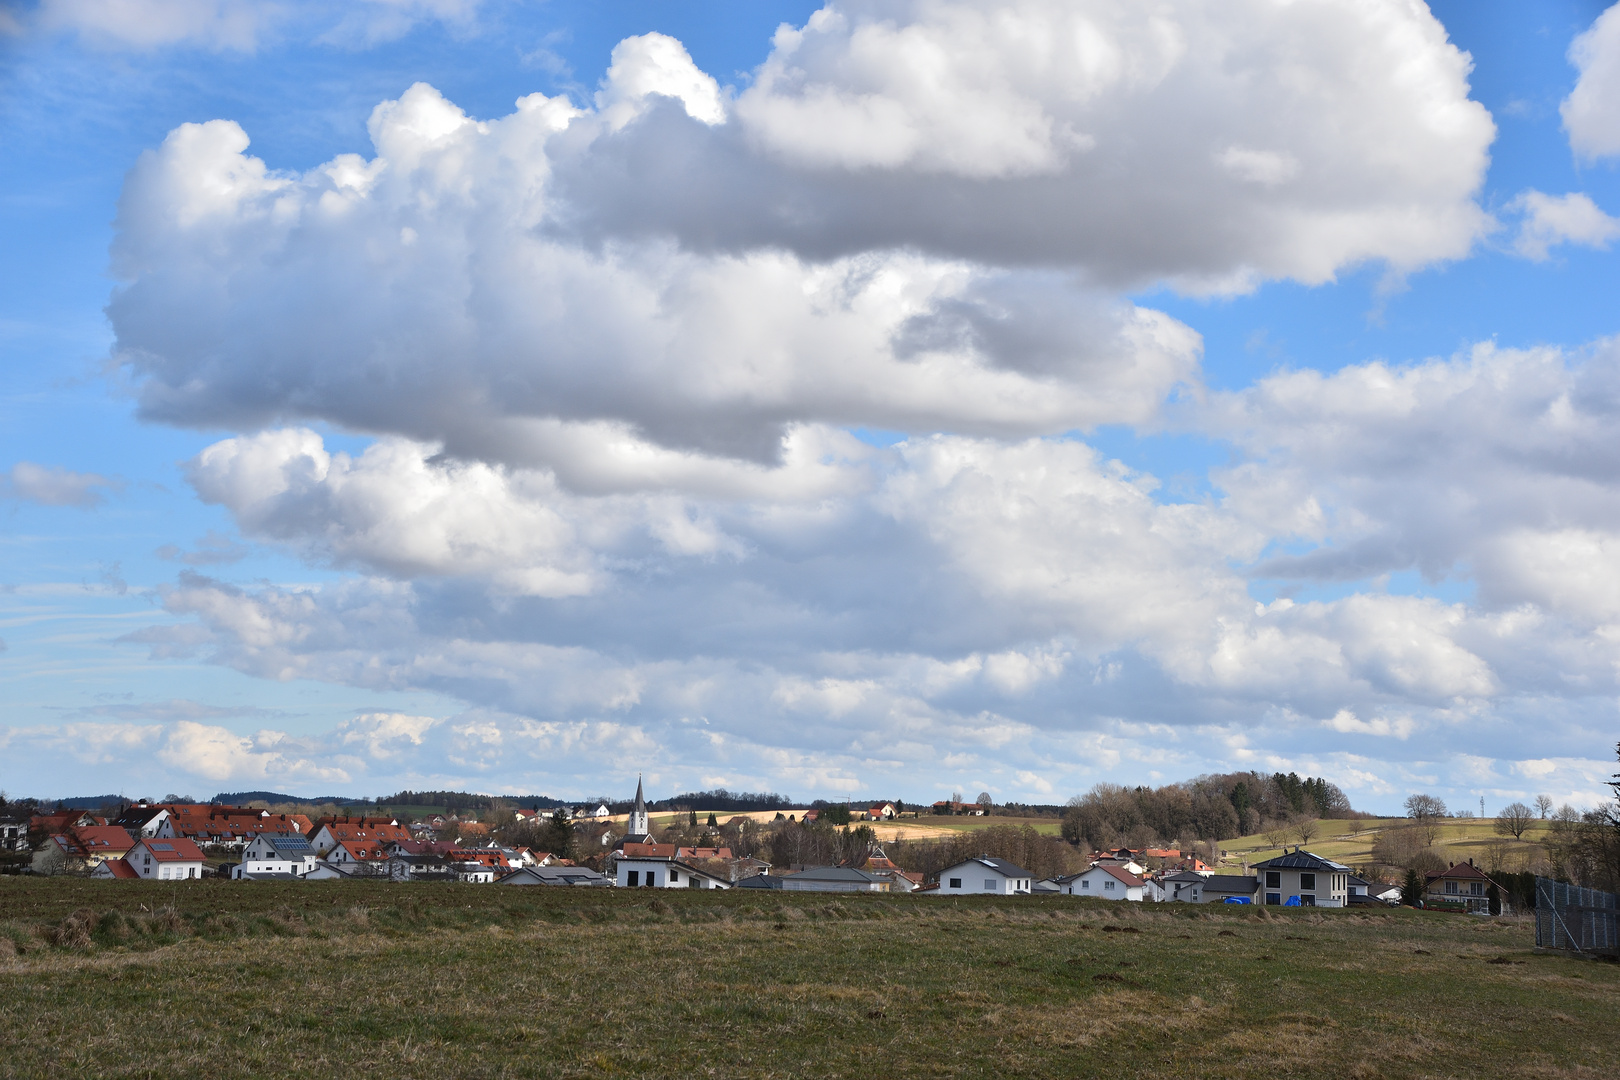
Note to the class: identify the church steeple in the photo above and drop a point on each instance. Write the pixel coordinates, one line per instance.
(638, 825)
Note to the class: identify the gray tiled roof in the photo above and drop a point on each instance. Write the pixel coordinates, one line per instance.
(1301, 860)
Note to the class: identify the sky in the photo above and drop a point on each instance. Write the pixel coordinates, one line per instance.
(896, 397)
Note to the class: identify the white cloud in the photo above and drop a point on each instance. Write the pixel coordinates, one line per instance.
(1592, 110)
(656, 64)
(1550, 220)
(54, 486)
(245, 25)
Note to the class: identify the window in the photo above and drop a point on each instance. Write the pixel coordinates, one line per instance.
(1307, 901)
(1307, 882)
(652, 878)
(674, 876)
(989, 884)
(1108, 886)
(1085, 884)
(956, 883)
(1476, 888)
(1451, 887)
(1273, 879)
(1273, 898)
(633, 878)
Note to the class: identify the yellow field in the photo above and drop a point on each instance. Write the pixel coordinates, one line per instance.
(926, 827)
(1351, 843)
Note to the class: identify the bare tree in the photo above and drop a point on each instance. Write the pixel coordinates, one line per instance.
(1276, 834)
(984, 802)
(1544, 807)
(1305, 828)
(1428, 812)
(1514, 819)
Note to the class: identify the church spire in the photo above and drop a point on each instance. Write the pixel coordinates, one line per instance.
(638, 823)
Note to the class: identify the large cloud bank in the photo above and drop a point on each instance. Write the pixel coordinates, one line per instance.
(613, 356)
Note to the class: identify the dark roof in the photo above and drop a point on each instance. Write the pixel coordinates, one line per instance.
(836, 873)
(1229, 883)
(1001, 866)
(1184, 875)
(554, 875)
(760, 881)
(1301, 860)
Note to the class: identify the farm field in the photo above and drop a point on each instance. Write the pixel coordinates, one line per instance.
(1459, 839)
(137, 979)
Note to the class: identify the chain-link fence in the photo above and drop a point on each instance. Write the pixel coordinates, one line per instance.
(1577, 919)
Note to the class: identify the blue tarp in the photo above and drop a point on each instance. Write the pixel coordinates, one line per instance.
(1236, 900)
(1292, 901)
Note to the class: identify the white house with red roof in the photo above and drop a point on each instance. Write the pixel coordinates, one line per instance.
(165, 860)
(329, 832)
(1105, 881)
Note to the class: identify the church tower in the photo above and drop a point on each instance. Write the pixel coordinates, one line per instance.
(638, 825)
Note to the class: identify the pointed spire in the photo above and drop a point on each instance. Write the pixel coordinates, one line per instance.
(641, 803)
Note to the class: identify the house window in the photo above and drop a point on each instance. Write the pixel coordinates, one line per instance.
(1274, 898)
(1085, 884)
(1307, 882)
(1307, 901)
(956, 883)
(1109, 886)
(674, 876)
(1451, 887)
(1273, 880)
(989, 884)
(1476, 888)
(652, 878)
(634, 878)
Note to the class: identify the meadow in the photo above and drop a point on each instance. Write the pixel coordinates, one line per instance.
(147, 979)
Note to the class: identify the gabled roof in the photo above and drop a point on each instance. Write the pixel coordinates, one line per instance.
(288, 845)
(1131, 880)
(102, 838)
(1459, 872)
(1231, 883)
(363, 850)
(1302, 860)
(118, 868)
(1184, 875)
(1000, 866)
(178, 849)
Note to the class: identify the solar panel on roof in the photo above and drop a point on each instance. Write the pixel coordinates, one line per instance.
(162, 847)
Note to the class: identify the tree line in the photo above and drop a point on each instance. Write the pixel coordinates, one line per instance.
(1210, 808)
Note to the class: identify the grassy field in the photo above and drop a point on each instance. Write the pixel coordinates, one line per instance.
(130, 979)
(1459, 839)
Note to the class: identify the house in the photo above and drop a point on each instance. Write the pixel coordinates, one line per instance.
(579, 876)
(1108, 881)
(1127, 863)
(950, 806)
(81, 848)
(1464, 884)
(224, 826)
(13, 836)
(328, 832)
(881, 812)
(141, 819)
(1229, 889)
(165, 860)
(834, 879)
(602, 813)
(881, 866)
(1299, 879)
(665, 866)
(272, 856)
(63, 821)
(1183, 886)
(349, 854)
(984, 876)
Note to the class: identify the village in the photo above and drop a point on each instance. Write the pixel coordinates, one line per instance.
(590, 847)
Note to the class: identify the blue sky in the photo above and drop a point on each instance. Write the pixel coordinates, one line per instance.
(1085, 459)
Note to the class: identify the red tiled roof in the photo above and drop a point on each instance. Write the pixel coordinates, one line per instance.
(1460, 871)
(1130, 879)
(102, 839)
(118, 868)
(178, 849)
(363, 850)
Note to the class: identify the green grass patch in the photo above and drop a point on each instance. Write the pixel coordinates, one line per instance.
(136, 979)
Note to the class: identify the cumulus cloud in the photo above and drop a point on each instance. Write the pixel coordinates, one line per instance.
(1550, 220)
(54, 486)
(415, 293)
(1592, 110)
(1174, 142)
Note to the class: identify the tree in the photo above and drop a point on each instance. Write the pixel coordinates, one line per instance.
(1544, 807)
(691, 817)
(1305, 828)
(1427, 811)
(984, 802)
(836, 814)
(1514, 819)
(560, 841)
(1276, 834)
(1493, 897)
(1412, 889)
(713, 824)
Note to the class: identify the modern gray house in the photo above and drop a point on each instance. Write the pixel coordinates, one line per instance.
(1299, 879)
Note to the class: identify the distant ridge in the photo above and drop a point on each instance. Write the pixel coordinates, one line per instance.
(237, 798)
(87, 802)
